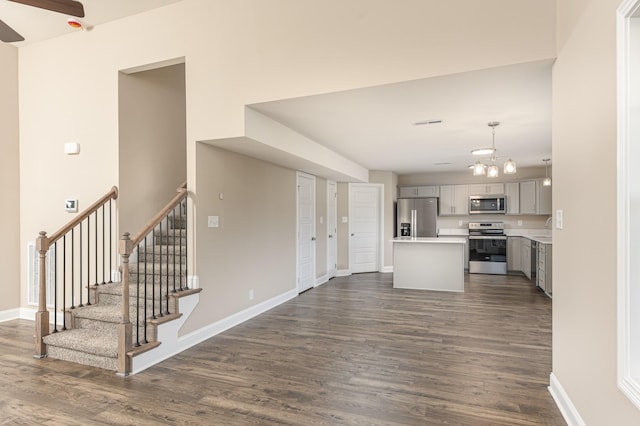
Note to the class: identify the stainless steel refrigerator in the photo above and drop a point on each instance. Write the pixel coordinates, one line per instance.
(417, 217)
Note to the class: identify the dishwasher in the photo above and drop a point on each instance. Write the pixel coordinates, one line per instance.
(534, 262)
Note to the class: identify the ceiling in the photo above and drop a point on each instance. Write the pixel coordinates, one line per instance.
(38, 24)
(374, 126)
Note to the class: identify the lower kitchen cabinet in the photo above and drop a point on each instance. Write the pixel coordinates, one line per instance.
(514, 254)
(544, 268)
(526, 257)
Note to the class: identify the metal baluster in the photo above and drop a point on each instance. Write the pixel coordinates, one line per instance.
(80, 266)
(72, 270)
(104, 263)
(145, 292)
(64, 281)
(96, 245)
(174, 248)
(88, 250)
(186, 243)
(160, 272)
(55, 287)
(180, 275)
(110, 243)
(166, 251)
(153, 275)
(138, 296)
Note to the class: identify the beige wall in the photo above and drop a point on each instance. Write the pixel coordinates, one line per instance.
(255, 246)
(10, 249)
(321, 227)
(238, 53)
(466, 177)
(152, 147)
(584, 280)
(388, 179)
(343, 227)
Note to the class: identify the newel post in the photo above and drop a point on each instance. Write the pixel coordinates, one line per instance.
(124, 329)
(42, 316)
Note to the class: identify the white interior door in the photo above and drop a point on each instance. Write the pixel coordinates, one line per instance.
(364, 227)
(306, 231)
(332, 228)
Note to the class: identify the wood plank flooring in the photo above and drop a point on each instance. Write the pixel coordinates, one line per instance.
(354, 351)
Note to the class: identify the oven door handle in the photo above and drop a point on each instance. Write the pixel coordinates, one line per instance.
(487, 237)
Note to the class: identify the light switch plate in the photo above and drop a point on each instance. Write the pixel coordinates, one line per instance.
(345, 219)
(213, 221)
(559, 219)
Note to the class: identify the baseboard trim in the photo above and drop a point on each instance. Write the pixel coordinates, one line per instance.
(387, 269)
(30, 314)
(560, 396)
(173, 345)
(9, 314)
(343, 273)
(321, 280)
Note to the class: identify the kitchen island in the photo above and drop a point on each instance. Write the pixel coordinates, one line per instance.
(429, 263)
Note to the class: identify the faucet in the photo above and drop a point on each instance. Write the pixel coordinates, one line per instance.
(546, 224)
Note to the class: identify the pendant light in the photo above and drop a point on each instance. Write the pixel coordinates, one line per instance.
(547, 180)
(479, 168)
(492, 170)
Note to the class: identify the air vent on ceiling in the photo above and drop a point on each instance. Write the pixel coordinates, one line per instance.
(426, 122)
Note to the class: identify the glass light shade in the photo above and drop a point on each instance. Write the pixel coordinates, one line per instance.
(483, 151)
(509, 167)
(478, 168)
(492, 171)
(546, 181)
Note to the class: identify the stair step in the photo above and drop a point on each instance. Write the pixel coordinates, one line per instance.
(156, 268)
(177, 221)
(168, 254)
(96, 342)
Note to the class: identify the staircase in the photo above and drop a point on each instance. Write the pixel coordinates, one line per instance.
(157, 280)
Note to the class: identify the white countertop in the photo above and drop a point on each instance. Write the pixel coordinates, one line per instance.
(432, 240)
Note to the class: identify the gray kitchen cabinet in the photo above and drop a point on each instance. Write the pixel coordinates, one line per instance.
(526, 257)
(486, 188)
(512, 195)
(454, 200)
(514, 254)
(545, 268)
(418, 191)
(535, 198)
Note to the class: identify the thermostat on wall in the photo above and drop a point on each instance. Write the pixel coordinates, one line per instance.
(71, 205)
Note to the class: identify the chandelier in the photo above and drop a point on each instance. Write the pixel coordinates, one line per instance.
(491, 170)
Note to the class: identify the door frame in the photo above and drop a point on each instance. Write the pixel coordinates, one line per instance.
(332, 191)
(380, 242)
(313, 230)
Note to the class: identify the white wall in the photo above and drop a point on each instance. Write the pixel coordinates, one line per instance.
(584, 269)
(10, 249)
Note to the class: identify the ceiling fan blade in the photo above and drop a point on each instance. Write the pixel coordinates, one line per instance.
(67, 7)
(8, 35)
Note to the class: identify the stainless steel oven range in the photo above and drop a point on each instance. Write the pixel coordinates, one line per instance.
(487, 248)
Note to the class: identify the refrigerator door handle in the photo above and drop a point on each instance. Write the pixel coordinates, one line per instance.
(414, 222)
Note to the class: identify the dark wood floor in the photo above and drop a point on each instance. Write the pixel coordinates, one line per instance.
(353, 351)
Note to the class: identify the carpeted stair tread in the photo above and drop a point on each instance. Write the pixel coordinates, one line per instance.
(95, 342)
(104, 313)
(155, 267)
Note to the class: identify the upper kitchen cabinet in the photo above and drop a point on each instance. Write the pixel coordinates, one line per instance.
(417, 191)
(486, 189)
(512, 195)
(534, 197)
(454, 200)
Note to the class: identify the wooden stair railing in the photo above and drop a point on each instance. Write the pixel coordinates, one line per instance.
(174, 216)
(76, 262)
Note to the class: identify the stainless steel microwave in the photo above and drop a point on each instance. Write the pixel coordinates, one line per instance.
(487, 204)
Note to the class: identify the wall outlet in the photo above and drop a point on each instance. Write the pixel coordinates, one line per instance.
(213, 221)
(519, 223)
(345, 219)
(251, 294)
(459, 223)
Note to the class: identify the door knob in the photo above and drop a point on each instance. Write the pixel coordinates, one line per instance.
(330, 236)
(353, 235)
(313, 238)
